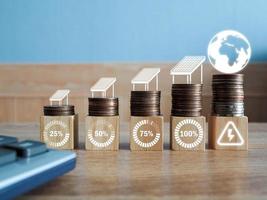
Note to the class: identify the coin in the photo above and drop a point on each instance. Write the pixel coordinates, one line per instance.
(145, 103)
(228, 95)
(56, 110)
(103, 106)
(186, 100)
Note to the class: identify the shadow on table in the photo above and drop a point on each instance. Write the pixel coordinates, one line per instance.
(126, 146)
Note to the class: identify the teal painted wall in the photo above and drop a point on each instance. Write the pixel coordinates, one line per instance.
(81, 31)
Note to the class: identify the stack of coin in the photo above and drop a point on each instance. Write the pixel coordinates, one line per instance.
(56, 110)
(228, 95)
(186, 100)
(145, 103)
(103, 106)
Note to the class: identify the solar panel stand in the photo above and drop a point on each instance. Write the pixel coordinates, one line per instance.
(191, 63)
(146, 83)
(104, 91)
(61, 97)
(189, 77)
(104, 94)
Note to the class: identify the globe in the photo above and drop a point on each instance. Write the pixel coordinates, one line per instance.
(229, 51)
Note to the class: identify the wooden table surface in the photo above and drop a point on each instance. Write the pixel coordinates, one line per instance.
(156, 175)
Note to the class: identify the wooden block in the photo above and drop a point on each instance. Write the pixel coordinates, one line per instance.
(146, 133)
(229, 133)
(59, 132)
(102, 133)
(188, 133)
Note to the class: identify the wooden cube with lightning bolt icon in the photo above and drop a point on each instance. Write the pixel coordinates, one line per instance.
(228, 133)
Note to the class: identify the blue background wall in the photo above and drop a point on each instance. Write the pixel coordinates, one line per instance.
(78, 31)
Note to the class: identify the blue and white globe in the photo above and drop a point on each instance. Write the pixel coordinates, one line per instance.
(229, 51)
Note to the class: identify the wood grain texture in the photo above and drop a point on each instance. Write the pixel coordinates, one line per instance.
(158, 175)
(218, 131)
(28, 87)
(182, 133)
(102, 133)
(8, 109)
(146, 133)
(59, 132)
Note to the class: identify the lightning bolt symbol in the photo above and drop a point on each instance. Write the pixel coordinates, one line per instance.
(229, 134)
